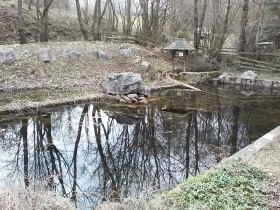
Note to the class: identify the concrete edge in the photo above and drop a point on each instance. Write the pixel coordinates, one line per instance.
(247, 152)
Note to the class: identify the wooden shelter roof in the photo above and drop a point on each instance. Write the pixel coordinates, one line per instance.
(180, 44)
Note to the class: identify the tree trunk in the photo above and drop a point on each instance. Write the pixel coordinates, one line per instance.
(195, 20)
(75, 155)
(243, 24)
(128, 18)
(219, 33)
(66, 5)
(226, 25)
(30, 4)
(155, 19)
(97, 19)
(202, 18)
(44, 35)
(145, 17)
(234, 129)
(21, 27)
(86, 12)
(25, 152)
(83, 29)
(173, 18)
(95, 24)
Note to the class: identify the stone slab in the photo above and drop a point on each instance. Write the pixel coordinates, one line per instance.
(251, 149)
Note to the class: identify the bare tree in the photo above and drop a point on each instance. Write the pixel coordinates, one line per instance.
(97, 19)
(44, 34)
(128, 18)
(145, 17)
(21, 26)
(223, 16)
(25, 152)
(30, 2)
(67, 5)
(82, 26)
(243, 24)
(195, 20)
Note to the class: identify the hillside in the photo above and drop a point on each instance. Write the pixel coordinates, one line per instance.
(61, 28)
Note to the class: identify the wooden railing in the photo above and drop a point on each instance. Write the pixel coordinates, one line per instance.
(244, 63)
(141, 40)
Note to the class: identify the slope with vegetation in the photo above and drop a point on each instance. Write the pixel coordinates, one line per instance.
(231, 186)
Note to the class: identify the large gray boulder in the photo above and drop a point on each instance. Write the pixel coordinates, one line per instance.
(8, 57)
(249, 75)
(124, 84)
(46, 55)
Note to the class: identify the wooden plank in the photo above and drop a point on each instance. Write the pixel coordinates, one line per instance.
(184, 84)
(121, 38)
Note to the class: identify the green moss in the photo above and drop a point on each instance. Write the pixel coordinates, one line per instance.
(236, 186)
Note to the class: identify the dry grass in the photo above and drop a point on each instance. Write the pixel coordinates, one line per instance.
(41, 199)
(142, 202)
(30, 73)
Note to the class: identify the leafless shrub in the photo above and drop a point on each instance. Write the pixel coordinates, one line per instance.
(41, 199)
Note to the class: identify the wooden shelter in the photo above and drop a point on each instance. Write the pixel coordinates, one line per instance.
(180, 45)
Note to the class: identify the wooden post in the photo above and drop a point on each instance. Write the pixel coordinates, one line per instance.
(185, 55)
(173, 53)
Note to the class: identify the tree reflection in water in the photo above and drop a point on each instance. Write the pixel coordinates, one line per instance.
(95, 152)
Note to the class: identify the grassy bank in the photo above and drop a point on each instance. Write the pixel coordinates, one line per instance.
(233, 186)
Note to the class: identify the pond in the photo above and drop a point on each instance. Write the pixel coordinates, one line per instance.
(94, 152)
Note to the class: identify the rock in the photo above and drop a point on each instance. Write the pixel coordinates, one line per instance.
(238, 81)
(99, 54)
(137, 60)
(127, 100)
(131, 96)
(222, 77)
(145, 101)
(123, 83)
(126, 52)
(145, 65)
(276, 84)
(249, 75)
(134, 100)
(247, 93)
(119, 98)
(267, 83)
(142, 98)
(144, 91)
(227, 79)
(70, 53)
(46, 55)
(8, 57)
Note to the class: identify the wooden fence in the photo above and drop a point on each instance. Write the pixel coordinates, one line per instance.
(136, 39)
(256, 61)
(246, 64)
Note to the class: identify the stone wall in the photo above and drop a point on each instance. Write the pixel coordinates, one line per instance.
(195, 77)
(250, 82)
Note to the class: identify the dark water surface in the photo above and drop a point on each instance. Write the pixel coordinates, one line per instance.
(95, 152)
